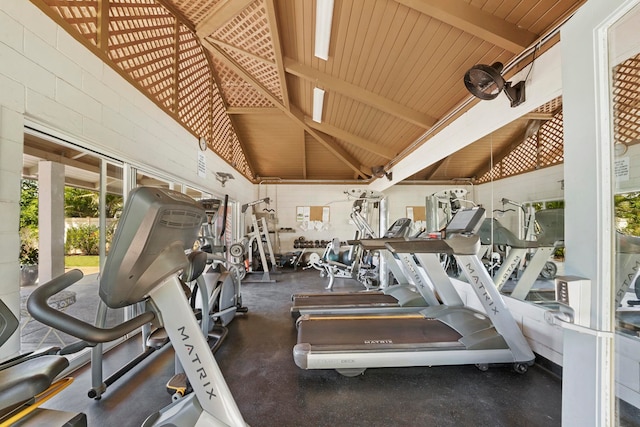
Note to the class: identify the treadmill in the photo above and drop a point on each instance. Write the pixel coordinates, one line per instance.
(552, 225)
(411, 294)
(446, 334)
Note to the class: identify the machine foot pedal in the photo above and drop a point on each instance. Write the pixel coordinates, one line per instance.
(157, 338)
(216, 336)
(178, 386)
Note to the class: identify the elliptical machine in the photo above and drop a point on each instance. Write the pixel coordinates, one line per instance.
(214, 284)
(144, 264)
(29, 380)
(222, 278)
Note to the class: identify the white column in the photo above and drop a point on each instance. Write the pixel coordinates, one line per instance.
(11, 146)
(588, 386)
(50, 220)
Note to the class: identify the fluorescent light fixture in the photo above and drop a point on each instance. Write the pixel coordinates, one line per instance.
(324, 15)
(318, 103)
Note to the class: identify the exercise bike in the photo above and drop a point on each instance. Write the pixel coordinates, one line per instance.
(147, 256)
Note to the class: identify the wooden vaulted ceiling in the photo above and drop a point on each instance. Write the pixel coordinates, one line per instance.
(241, 74)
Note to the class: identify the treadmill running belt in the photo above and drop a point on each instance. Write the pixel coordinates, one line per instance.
(369, 332)
(358, 298)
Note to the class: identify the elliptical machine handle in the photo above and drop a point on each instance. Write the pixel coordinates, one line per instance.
(42, 312)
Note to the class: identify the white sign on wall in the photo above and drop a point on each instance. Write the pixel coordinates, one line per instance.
(621, 169)
(202, 165)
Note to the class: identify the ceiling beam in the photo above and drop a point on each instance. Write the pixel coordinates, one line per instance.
(374, 100)
(79, 183)
(352, 139)
(277, 48)
(253, 110)
(241, 51)
(473, 20)
(293, 113)
(57, 158)
(538, 116)
(222, 13)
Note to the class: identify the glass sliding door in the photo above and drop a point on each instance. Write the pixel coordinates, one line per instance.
(624, 68)
(79, 194)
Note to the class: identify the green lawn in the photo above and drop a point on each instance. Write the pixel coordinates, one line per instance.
(81, 261)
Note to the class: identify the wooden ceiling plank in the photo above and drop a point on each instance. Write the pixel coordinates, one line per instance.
(329, 144)
(352, 139)
(222, 13)
(272, 19)
(347, 89)
(475, 21)
(291, 112)
(435, 167)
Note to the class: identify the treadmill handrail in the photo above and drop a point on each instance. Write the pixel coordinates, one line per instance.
(378, 243)
(457, 244)
(41, 311)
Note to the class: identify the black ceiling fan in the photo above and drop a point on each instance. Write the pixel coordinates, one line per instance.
(486, 82)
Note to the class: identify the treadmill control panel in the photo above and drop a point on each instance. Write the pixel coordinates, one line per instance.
(465, 221)
(398, 229)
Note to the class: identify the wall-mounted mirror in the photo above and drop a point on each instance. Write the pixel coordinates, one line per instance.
(516, 173)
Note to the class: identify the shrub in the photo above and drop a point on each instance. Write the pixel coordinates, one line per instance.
(83, 238)
(28, 246)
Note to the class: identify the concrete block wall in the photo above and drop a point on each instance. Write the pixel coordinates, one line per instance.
(10, 174)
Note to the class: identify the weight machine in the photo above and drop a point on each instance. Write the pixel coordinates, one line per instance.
(254, 243)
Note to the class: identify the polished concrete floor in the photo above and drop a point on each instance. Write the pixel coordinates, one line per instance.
(271, 390)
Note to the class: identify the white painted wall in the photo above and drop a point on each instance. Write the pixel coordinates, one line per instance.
(51, 81)
(286, 198)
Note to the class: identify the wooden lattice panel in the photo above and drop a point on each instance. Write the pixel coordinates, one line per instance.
(247, 40)
(142, 43)
(550, 107)
(626, 99)
(551, 146)
(250, 32)
(196, 10)
(238, 159)
(165, 59)
(194, 84)
(493, 174)
(81, 14)
(266, 74)
(224, 140)
(238, 92)
(543, 149)
(222, 129)
(522, 159)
